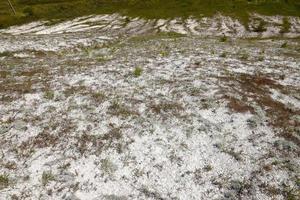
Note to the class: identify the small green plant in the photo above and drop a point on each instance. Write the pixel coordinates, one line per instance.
(137, 71)
(244, 56)
(107, 166)
(261, 58)
(286, 25)
(4, 181)
(291, 194)
(207, 168)
(164, 53)
(223, 55)
(47, 177)
(98, 96)
(49, 95)
(127, 20)
(5, 54)
(223, 39)
(284, 45)
(261, 27)
(102, 59)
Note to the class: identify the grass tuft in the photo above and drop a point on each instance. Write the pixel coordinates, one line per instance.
(261, 27)
(137, 71)
(47, 177)
(49, 95)
(223, 39)
(223, 55)
(284, 45)
(286, 25)
(4, 181)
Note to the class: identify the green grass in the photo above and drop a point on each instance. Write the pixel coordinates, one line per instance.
(29, 10)
(47, 177)
(5, 54)
(285, 26)
(284, 45)
(137, 71)
(49, 94)
(4, 181)
(223, 55)
(223, 39)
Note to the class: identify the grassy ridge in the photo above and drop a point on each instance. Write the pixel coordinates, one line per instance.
(29, 10)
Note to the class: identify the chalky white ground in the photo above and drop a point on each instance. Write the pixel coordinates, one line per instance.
(71, 106)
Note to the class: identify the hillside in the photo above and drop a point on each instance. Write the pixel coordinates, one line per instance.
(60, 9)
(150, 100)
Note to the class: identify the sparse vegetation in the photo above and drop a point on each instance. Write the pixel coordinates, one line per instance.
(207, 168)
(285, 25)
(260, 27)
(284, 45)
(102, 59)
(165, 107)
(107, 166)
(164, 53)
(62, 9)
(120, 110)
(98, 96)
(186, 106)
(244, 56)
(236, 155)
(261, 58)
(223, 39)
(47, 176)
(49, 94)
(156, 36)
(5, 54)
(137, 71)
(4, 181)
(223, 55)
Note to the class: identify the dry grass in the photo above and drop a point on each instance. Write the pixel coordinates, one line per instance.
(119, 109)
(166, 107)
(256, 88)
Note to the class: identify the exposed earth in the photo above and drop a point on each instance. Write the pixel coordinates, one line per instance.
(111, 107)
